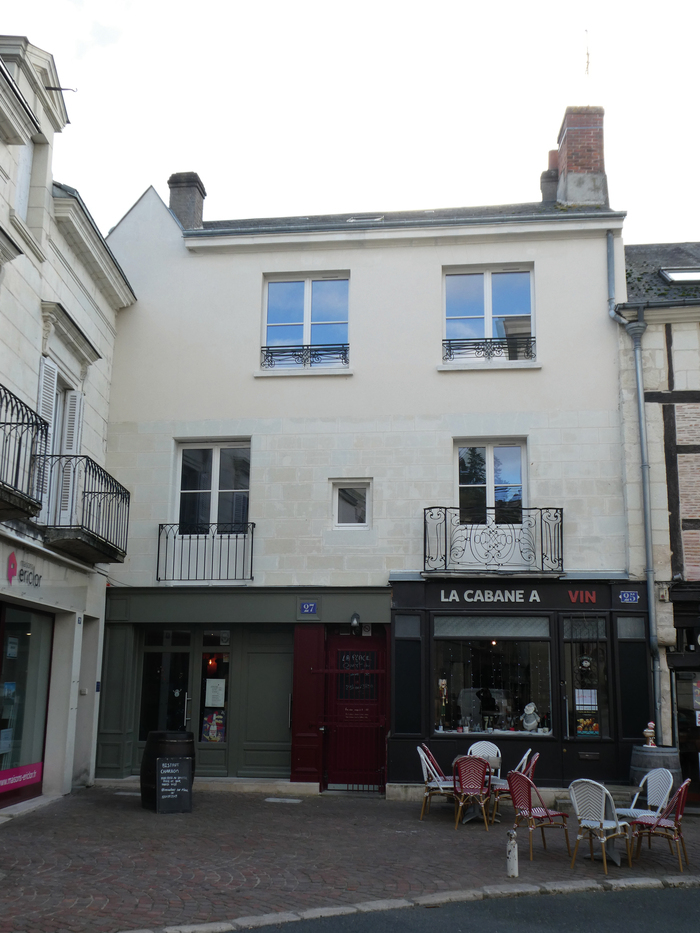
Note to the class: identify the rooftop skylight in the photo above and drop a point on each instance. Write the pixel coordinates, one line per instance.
(681, 276)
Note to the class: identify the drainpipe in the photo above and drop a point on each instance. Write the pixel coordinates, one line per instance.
(636, 330)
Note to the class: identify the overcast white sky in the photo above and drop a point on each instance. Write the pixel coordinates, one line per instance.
(315, 106)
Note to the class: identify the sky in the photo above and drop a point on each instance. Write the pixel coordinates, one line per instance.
(313, 106)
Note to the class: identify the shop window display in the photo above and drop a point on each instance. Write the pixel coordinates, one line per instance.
(586, 674)
(494, 684)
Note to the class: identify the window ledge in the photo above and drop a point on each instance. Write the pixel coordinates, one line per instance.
(486, 366)
(28, 237)
(266, 374)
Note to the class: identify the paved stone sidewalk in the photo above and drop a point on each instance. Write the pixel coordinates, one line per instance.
(96, 862)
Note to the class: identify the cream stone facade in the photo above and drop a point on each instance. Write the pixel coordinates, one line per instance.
(60, 292)
(450, 459)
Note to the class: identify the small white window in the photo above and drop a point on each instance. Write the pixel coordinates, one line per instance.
(351, 503)
(489, 314)
(306, 321)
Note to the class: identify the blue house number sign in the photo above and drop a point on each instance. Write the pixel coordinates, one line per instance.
(629, 596)
(309, 609)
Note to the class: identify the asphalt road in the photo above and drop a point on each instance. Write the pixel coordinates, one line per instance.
(656, 911)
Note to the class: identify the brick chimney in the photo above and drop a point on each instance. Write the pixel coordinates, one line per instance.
(550, 179)
(187, 196)
(581, 168)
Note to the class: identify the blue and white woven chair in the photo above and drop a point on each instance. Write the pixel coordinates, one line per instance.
(595, 810)
(658, 783)
(436, 783)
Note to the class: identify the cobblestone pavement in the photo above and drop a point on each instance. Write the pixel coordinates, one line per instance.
(96, 862)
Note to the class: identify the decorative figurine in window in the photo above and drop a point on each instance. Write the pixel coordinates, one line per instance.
(529, 718)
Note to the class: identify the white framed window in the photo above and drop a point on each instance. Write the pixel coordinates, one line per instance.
(488, 314)
(306, 320)
(352, 503)
(214, 488)
(491, 482)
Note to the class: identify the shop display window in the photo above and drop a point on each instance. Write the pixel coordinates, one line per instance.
(214, 687)
(492, 675)
(24, 684)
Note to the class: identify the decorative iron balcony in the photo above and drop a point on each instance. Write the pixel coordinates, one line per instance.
(202, 553)
(533, 544)
(509, 348)
(23, 436)
(85, 511)
(306, 355)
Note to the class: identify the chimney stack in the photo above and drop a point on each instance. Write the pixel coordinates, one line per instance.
(581, 168)
(187, 196)
(550, 179)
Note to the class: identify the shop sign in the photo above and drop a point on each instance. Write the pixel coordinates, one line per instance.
(25, 572)
(482, 594)
(14, 778)
(489, 596)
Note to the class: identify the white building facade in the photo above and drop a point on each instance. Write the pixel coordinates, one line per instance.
(380, 487)
(62, 517)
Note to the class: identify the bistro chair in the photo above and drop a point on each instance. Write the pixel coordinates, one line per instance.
(434, 763)
(436, 784)
(499, 786)
(472, 785)
(490, 752)
(658, 783)
(595, 810)
(538, 817)
(666, 824)
(529, 769)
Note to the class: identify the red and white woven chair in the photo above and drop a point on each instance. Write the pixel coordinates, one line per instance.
(667, 824)
(499, 785)
(472, 785)
(595, 810)
(436, 784)
(522, 792)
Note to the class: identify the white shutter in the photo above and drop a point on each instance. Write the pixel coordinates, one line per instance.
(48, 383)
(69, 490)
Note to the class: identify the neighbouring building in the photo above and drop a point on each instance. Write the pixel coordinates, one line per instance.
(663, 296)
(63, 518)
(381, 488)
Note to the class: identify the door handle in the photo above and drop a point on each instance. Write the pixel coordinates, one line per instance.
(321, 728)
(289, 710)
(186, 717)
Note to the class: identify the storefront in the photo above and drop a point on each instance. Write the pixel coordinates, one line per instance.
(559, 667)
(51, 612)
(684, 668)
(272, 682)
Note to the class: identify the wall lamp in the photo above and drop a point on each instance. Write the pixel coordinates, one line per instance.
(355, 623)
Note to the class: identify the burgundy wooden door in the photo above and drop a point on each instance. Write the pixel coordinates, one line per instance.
(355, 721)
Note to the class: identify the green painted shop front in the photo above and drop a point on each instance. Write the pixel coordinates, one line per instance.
(224, 664)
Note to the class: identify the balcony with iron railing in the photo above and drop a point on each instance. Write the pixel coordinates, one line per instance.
(520, 541)
(506, 348)
(204, 553)
(23, 437)
(85, 511)
(307, 355)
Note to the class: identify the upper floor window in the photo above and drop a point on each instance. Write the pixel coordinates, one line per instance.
(306, 321)
(491, 484)
(214, 485)
(351, 503)
(488, 314)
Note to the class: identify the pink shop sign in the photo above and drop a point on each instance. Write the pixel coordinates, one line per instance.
(14, 778)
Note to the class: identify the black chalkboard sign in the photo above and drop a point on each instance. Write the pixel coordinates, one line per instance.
(173, 785)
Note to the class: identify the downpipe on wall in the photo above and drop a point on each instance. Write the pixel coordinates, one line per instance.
(636, 330)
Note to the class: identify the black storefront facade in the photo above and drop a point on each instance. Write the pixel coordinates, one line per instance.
(559, 666)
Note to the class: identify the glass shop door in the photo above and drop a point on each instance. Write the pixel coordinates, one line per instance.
(211, 722)
(688, 719)
(165, 683)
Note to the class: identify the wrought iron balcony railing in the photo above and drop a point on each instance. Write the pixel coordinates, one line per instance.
(23, 436)
(532, 544)
(221, 551)
(306, 355)
(509, 348)
(85, 510)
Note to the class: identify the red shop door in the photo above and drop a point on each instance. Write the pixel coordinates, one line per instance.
(355, 722)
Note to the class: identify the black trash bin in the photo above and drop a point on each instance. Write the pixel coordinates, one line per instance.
(162, 745)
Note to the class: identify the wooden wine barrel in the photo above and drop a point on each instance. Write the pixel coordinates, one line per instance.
(162, 745)
(645, 758)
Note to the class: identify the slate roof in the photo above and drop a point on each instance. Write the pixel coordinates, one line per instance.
(537, 210)
(643, 265)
